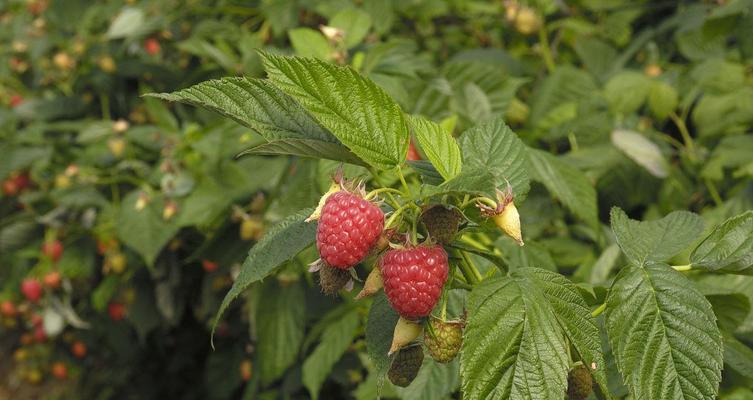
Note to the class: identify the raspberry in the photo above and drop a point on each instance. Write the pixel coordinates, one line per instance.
(443, 340)
(404, 368)
(441, 223)
(348, 228)
(413, 279)
(579, 383)
(333, 279)
(32, 289)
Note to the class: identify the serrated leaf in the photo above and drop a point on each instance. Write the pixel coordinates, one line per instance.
(662, 99)
(310, 43)
(663, 334)
(280, 328)
(472, 180)
(336, 339)
(429, 174)
(729, 247)
(281, 243)
(641, 150)
(354, 23)
(434, 381)
(438, 145)
(254, 103)
(574, 316)
(494, 147)
(513, 346)
(359, 113)
(380, 326)
(658, 240)
(305, 148)
(566, 183)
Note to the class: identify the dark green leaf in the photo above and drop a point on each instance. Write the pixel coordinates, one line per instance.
(305, 148)
(728, 248)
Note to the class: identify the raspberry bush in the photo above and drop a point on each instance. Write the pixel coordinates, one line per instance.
(400, 200)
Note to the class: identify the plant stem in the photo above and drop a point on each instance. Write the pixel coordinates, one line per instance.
(474, 271)
(713, 192)
(380, 183)
(402, 180)
(396, 214)
(599, 310)
(481, 199)
(546, 52)
(681, 268)
(689, 145)
(375, 192)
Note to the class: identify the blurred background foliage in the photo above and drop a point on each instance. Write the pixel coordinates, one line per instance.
(652, 101)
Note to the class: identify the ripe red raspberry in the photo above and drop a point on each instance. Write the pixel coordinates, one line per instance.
(348, 228)
(32, 289)
(413, 279)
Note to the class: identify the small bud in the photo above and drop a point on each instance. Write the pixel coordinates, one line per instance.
(334, 188)
(331, 33)
(372, 285)
(509, 221)
(406, 331)
(171, 208)
(117, 146)
(120, 126)
(142, 201)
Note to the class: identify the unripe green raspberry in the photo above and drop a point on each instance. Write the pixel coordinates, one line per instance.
(579, 383)
(405, 367)
(443, 339)
(441, 223)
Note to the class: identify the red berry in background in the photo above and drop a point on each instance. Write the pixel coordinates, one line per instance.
(10, 188)
(52, 249)
(8, 309)
(209, 266)
(348, 228)
(52, 279)
(36, 320)
(31, 289)
(413, 154)
(22, 181)
(78, 348)
(59, 370)
(39, 334)
(413, 279)
(116, 311)
(16, 100)
(152, 46)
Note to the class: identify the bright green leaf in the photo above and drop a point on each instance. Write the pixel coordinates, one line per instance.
(354, 23)
(663, 334)
(145, 230)
(310, 43)
(353, 108)
(662, 99)
(728, 248)
(254, 103)
(494, 147)
(627, 91)
(438, 145)
(644, 241)
(513, 347)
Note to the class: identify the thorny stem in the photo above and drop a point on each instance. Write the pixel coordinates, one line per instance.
(599, 310)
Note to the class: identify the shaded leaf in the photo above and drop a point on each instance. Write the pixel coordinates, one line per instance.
(305, 148)
(728, 248)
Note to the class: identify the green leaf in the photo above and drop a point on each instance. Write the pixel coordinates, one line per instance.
(128, 23)
(738, 356)
(662, 99)
(281, 243)
(644, 241)
(494, 147)
(280, 328)
(513, 346)
(574, 317)
(305, 148)
(354, 23)
(336, 339)
(145, 231)
(566, 84)
(254, 103)
(729, 247)
(434, 381)
(627, 91)
(438, 145)
(663, 334)
(730, 309)
(641, 150)
(567, 183)
(310, 43)
(472, 180)
(380, 326)
(353, 108)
